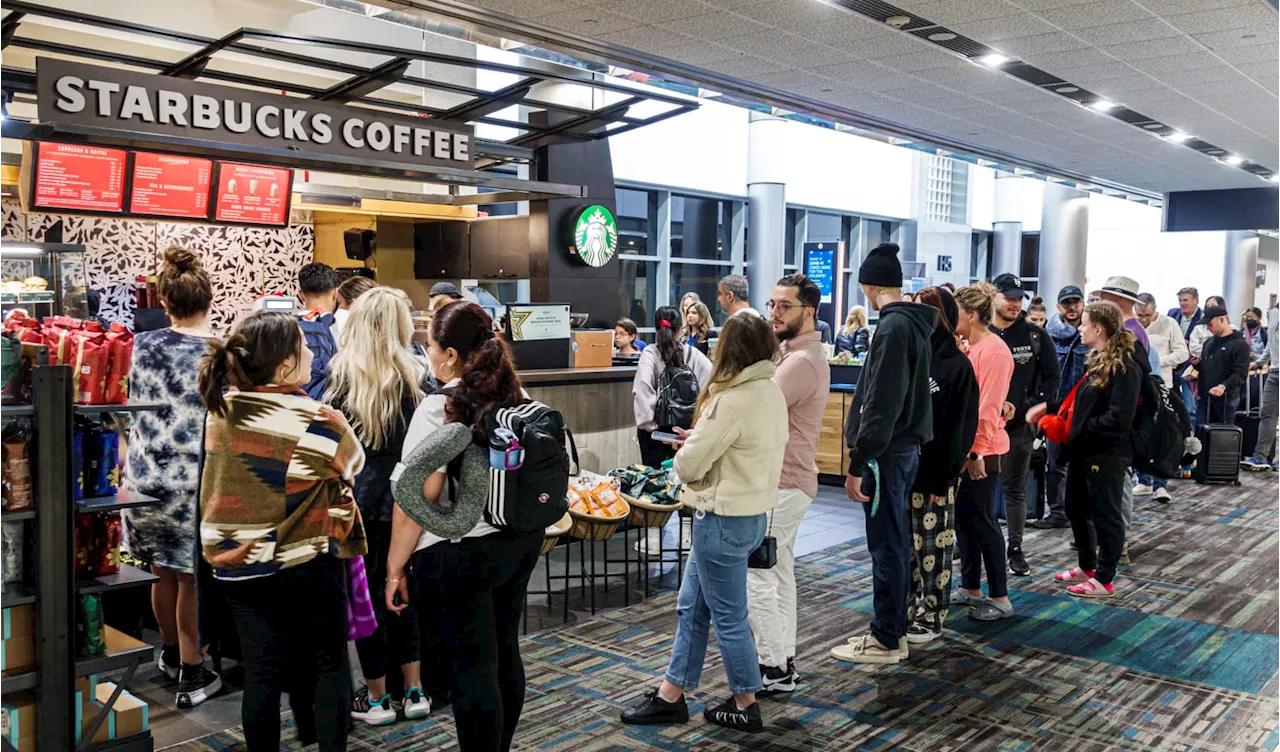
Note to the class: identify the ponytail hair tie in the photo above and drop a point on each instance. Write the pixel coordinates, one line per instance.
(664, 324)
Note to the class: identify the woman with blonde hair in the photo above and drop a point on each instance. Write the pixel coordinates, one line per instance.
(730, 463)
(1097, 431)
(697, 331)
(855, 337)
(377, 383)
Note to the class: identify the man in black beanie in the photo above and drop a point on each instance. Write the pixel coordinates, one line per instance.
(890, 419)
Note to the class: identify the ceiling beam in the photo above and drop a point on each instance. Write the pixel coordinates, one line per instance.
(194, 64)
(366, 83)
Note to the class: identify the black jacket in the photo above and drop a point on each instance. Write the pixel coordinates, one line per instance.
(1225, 360)
(1036, 373)
(1103, 421)
(857, 342)
(891, 408)
(372, 487)
(824, 330)
(955, 416)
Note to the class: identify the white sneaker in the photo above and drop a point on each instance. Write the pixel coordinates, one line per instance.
(650, 544)
(416, 704)
(1142, 489)
(166, 669)
(867, 649)
(1162, 495)
(919, 634)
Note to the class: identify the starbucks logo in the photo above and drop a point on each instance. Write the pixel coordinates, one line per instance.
(595, 236)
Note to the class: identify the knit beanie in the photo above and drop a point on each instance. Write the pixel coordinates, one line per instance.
(950, 311)
(881, 267)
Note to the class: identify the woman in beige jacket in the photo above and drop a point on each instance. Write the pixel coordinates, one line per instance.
(730, 463)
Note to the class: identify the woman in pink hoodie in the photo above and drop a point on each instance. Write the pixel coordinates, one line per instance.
(978, 534)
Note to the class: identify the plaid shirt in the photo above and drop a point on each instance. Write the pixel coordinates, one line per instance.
(276, 489)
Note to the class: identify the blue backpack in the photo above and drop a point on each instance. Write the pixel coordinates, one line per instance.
(323, 347)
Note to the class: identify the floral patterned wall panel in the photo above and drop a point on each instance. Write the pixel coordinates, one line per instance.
(243, 262)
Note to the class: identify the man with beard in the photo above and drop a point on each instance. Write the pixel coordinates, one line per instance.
(805, 380)
(1064, 329)
(1036, 376)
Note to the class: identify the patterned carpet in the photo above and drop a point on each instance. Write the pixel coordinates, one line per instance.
(1184, 658)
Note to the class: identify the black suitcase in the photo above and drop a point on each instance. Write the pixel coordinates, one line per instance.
(1219, 460)
(1250, 415)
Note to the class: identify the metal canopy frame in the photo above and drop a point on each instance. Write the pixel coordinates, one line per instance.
(568, 123)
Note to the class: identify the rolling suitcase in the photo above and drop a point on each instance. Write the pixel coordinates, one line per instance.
(1250, 414)
(1219, 460)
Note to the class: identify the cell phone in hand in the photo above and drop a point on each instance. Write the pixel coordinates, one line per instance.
(665, 437)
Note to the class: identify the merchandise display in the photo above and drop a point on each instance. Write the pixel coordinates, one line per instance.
(595, 496)
(652, 485)
(18, 721)
(16, 465)
(91, 637)
(100, 358)
(18, 647)
(12, 558)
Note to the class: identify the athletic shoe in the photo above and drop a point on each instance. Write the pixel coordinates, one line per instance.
(867, 649)
(1162, 495)
(1275, 467)
(791, 669)
(1017, 562)
(655, 711)
(416, 704)
(196, 684)
(919, 634)
(776, 681)
(168, 669)
(1255, 464)
(1051, 523)
(1142, 489)
(990, 610)
(728, 714)
(1124, 557)
(373, 712)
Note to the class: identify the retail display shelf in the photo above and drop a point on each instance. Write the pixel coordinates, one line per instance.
(123, 651)
(140, 742)
(24, 514)
(127, 577)
(131, 407)
(17, 682)
(125, 499)
(16, 411)
(16, 595)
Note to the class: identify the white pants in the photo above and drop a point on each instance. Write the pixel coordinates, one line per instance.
(771, 593)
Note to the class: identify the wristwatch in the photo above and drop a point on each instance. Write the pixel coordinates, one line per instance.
(974, 456)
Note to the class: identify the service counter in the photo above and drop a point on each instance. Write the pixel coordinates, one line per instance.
(832, 455)
(596, 404)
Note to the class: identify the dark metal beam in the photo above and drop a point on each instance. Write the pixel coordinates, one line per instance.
(366, 83)
(487, 105)
(576, 127)
(194, 64)
(9, 27)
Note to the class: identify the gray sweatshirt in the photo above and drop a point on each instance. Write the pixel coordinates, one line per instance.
(644, 390)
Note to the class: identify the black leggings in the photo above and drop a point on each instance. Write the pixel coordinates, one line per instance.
(478, 586)
(293, 628)
(978, 535)
(653, 453)
(395, 642)
(1095, 490)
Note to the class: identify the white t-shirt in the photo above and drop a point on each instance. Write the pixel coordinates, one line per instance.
(339, 320)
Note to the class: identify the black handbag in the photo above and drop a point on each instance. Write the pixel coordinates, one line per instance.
(765, 555)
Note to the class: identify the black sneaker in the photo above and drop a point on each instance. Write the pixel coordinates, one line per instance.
(728, 715)
(1017, 562)
(791, 669)
(655, 711)
(1051, 523)
(195, 685)
(776, 681)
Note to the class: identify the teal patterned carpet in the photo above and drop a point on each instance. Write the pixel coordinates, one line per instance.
(1184, 658)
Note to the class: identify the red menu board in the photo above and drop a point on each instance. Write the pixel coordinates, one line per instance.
(170, 186)
(252, 194)
(85, 178)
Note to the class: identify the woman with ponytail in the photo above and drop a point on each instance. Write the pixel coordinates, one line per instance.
(164, 462)
(469, 591)
(1099, 449)
(277, 520)
(666, 353)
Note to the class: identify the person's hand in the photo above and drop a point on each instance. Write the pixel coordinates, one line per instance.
(975, 469)
(1218, 390)
(397, 585)
(682, 433)
(1006, 411)
(1036, 412)
(853, 488)
(334, 418)
(1195, 361)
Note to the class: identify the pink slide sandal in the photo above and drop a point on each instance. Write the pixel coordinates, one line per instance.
(1073, 575)
(1092, 589)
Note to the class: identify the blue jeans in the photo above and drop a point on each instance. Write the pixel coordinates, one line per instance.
(715, 590)
(1189, 402)
(889, 542)
(1153, 481)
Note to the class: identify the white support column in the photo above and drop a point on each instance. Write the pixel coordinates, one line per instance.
(1064, 239)
(1239, 271)
(767, 203)
(662, 247)
(1006, 227)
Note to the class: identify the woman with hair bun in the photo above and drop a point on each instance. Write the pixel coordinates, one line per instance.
(164, 462)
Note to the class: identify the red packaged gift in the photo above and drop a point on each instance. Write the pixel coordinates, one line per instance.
(27, 328)
(57, 335)
(85, 545)
(107, 543)
(119, 358)
(88, 360)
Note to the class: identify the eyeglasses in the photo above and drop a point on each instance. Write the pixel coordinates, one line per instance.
(785, 306)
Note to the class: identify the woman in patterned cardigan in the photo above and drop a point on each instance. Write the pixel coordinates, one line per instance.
(277, 519)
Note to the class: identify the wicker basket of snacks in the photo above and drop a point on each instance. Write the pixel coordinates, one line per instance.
(596, 507)
(555, 533)
(648, 514)
(650, 492)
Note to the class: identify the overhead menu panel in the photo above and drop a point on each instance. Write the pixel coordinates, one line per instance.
(79, 178)
(165, 185)
(252, 194)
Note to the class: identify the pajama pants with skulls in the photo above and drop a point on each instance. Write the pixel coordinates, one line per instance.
(933, 536)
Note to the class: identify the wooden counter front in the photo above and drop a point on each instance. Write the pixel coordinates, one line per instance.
(833, 456)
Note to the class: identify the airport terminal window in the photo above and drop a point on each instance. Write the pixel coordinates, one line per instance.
(637, 221)
(979, 255)
(793, 243)
(1030, 262)
(639, 288)
(702, 279)
(823, 227)
(701, 228)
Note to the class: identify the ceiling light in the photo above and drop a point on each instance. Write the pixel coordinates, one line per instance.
(994, 59)
(1022, 171)
(1178, 137)
(898, 21)
(1274, 178)
(1153, 126)
(1067, 89)
(986, 163)
(1103, 105)
(1233, 160)
(942, 36)
(1054, 179)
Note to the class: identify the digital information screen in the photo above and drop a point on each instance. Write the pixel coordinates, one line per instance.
(83, 178)
(170, 186)
(252, 194)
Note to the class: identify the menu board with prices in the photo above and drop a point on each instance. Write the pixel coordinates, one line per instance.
(170, 186)
(252, 194)
(80, 178)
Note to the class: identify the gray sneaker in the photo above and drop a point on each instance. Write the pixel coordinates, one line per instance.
(989, 610)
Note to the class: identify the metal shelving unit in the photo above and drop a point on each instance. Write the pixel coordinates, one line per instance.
(125, 499)
(127, 577)
(17, 682)
(131, 407)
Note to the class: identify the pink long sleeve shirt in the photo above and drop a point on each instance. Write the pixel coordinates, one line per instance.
(993, 365)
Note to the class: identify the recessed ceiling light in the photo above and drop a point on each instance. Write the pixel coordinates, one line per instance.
(1103, 105)
(994, 59)
(1178, 137)
(1067, 89)
(898, 21)
(942, 36)
(1274, 178)
(1153, 126)
(1233, 160)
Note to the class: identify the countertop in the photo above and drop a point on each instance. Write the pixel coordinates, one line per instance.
(567, 376)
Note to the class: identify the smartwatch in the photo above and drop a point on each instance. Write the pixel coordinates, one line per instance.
(974, 456)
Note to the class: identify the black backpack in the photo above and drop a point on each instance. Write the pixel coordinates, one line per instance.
(534, 496)
(1160, 430)
(677, 396)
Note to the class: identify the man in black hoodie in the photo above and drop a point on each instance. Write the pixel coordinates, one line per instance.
(1036, 378)
(890, 419)
(1224, 367)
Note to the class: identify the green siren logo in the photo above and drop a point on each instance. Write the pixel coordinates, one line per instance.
(595, 236)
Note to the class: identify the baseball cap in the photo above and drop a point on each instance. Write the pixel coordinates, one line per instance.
(445, 288)
(1069, 292)
(1212, 312)
(1009, 283)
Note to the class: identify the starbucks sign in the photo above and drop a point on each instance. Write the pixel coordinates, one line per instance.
(595, 236)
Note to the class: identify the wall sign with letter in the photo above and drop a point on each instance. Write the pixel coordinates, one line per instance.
(79, 178)
(594, 238)
(71, 93)
(820, 266)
